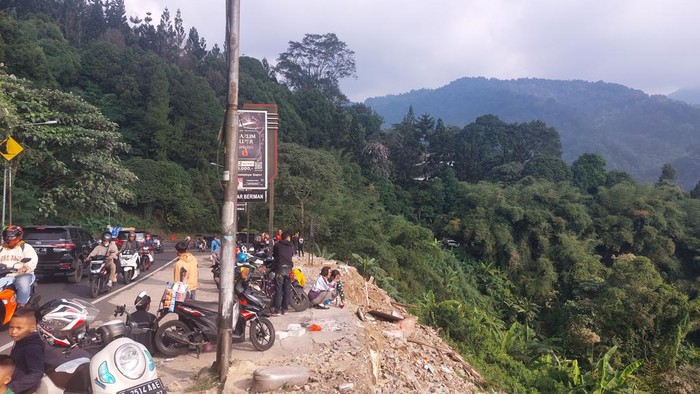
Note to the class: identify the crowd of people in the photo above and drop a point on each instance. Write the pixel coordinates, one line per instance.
(23, 369)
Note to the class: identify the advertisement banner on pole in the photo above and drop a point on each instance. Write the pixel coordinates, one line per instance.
(252, 150)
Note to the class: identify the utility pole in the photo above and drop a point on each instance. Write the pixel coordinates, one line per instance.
(228, 212)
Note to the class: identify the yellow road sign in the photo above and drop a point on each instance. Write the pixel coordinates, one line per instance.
(9, 148)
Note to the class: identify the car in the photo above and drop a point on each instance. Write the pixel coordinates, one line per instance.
(62, 250)
(450, 243)
(123, 234)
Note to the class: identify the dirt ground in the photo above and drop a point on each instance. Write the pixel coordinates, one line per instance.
(375, 356)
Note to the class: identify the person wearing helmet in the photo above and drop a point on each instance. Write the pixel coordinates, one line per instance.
(145, 320)
(148, 240)
(130, 244)
(12, 254)
(109, 249)
(185, 269)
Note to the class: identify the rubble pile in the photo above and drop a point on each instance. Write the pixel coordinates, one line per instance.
(386, 355)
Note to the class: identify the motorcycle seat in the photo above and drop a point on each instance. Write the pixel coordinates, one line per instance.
(209, 306)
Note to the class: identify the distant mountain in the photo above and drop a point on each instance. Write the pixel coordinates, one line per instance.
(635, 132)
(690, 96)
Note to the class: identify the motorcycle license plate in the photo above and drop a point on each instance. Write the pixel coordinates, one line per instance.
(153, 387)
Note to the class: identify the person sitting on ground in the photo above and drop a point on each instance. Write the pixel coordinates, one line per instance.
(27, 352)
(145, 320)
(323, 290)
(340, 298)
(7, 367)
(186, 261)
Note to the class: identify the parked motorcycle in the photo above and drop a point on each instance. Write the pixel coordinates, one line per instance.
(196, 325)
(216, 269)
(262, 278)
(8, 294)
(86, 360)
(99, 275)
(129, 262)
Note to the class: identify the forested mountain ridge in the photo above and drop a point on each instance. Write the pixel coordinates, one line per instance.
(567, 277)
(633, 131)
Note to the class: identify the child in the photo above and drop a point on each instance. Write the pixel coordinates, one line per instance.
(335, 277)
(187, 262)
(27, 353)
(7, 366)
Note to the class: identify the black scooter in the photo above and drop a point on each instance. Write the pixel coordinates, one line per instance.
(99, 275)
(196, 324)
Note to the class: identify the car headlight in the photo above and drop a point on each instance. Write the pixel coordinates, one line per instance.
(130, 361)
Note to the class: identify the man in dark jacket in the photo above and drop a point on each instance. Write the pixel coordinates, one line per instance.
(282, 252)
(27, 353)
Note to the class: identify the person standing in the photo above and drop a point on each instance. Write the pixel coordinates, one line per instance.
(185, 269)
(282, 252)
(295, 242)
(301, 245)
(215, 247)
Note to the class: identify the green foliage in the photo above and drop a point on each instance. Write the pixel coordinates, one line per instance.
(74, 161)
(324, 253)
(318, 62)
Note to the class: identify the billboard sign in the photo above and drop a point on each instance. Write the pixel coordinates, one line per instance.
(252, 150)
(252, 196)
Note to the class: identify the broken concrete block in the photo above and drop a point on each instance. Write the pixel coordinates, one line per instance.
(272, 378)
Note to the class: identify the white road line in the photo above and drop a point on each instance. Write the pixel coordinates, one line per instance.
(110, 294)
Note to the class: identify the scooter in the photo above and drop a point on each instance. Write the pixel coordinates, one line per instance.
(262, 279)
(216, 269)
(129, 261)
(146, 258)
(196, 325)
(99, 275)
(8, 295)
(86, 360)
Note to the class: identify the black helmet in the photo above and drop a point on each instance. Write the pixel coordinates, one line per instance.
(142, 299)
(106, 236)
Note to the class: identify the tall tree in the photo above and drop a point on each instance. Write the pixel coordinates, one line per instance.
(317, 62)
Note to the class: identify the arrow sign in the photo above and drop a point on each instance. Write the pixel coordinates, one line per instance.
(9, 148)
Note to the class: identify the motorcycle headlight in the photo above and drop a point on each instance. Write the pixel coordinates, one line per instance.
(130, 361)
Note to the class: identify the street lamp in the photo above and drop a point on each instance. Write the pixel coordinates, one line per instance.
(7, 178)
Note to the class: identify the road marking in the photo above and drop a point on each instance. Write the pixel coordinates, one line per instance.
(111, 293)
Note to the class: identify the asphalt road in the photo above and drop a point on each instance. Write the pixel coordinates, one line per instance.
(52, 288)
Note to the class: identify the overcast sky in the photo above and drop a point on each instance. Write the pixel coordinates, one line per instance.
(402, 45)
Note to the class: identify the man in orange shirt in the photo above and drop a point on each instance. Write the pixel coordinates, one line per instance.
(185, 269)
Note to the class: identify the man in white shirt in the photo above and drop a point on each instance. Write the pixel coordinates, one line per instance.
(17, 254)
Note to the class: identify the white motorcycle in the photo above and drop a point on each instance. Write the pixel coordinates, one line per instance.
(122, 365)
(129, 261)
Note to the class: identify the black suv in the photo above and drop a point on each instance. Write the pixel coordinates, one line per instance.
(61, 250)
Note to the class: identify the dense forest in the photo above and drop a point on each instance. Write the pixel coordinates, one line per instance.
(567, 277)
(634, 132)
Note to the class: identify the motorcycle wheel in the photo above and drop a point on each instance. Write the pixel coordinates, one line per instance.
(171, 347)
(127, 276)
(299, 301)
(94, 286)
(262, 333)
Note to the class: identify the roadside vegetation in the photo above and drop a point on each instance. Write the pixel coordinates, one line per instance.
(568, 277)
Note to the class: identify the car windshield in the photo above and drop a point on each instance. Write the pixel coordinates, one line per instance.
(45, 234)
(140, 235)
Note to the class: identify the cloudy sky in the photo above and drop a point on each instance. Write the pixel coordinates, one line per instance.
(402, 45)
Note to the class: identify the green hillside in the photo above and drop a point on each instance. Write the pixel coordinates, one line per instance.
(633, 131)
(560, 274)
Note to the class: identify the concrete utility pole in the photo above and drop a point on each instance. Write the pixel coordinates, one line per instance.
(228, 212)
